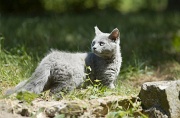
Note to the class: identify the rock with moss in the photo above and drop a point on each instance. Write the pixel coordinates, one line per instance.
(161, 99)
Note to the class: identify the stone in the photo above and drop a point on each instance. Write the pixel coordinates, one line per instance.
(161, 98)
(73, 108)
(99, 107)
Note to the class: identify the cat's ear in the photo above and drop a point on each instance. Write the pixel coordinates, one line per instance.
(97, 31)
(114, 35)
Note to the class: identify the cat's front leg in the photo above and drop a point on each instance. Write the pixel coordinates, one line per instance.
(111, 86)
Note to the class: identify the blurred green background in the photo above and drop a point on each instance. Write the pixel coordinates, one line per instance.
(150, 29)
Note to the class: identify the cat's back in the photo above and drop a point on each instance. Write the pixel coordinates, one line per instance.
(69, 67)
(62, 57)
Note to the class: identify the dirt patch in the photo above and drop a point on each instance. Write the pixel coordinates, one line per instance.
(6, 109)
(165, 72)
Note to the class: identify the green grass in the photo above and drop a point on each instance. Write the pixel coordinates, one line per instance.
(147, 40)
(149, 46)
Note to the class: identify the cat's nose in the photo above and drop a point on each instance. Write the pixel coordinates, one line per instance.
(94, 48)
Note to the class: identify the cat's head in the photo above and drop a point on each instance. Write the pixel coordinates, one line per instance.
(105, 45)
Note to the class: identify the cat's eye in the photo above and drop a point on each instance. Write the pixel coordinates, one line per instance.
(101, 43)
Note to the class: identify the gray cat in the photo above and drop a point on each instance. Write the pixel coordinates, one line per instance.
(60, 71)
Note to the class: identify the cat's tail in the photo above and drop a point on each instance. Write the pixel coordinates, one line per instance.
(37, 83)
(17, 88)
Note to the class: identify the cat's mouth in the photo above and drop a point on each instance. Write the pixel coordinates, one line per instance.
(97, 53)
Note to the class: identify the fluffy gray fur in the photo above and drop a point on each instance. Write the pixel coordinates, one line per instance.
(60, 71)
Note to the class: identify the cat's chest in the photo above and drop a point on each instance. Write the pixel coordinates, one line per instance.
(106, 66)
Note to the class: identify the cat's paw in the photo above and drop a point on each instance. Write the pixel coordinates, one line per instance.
(111, 86)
